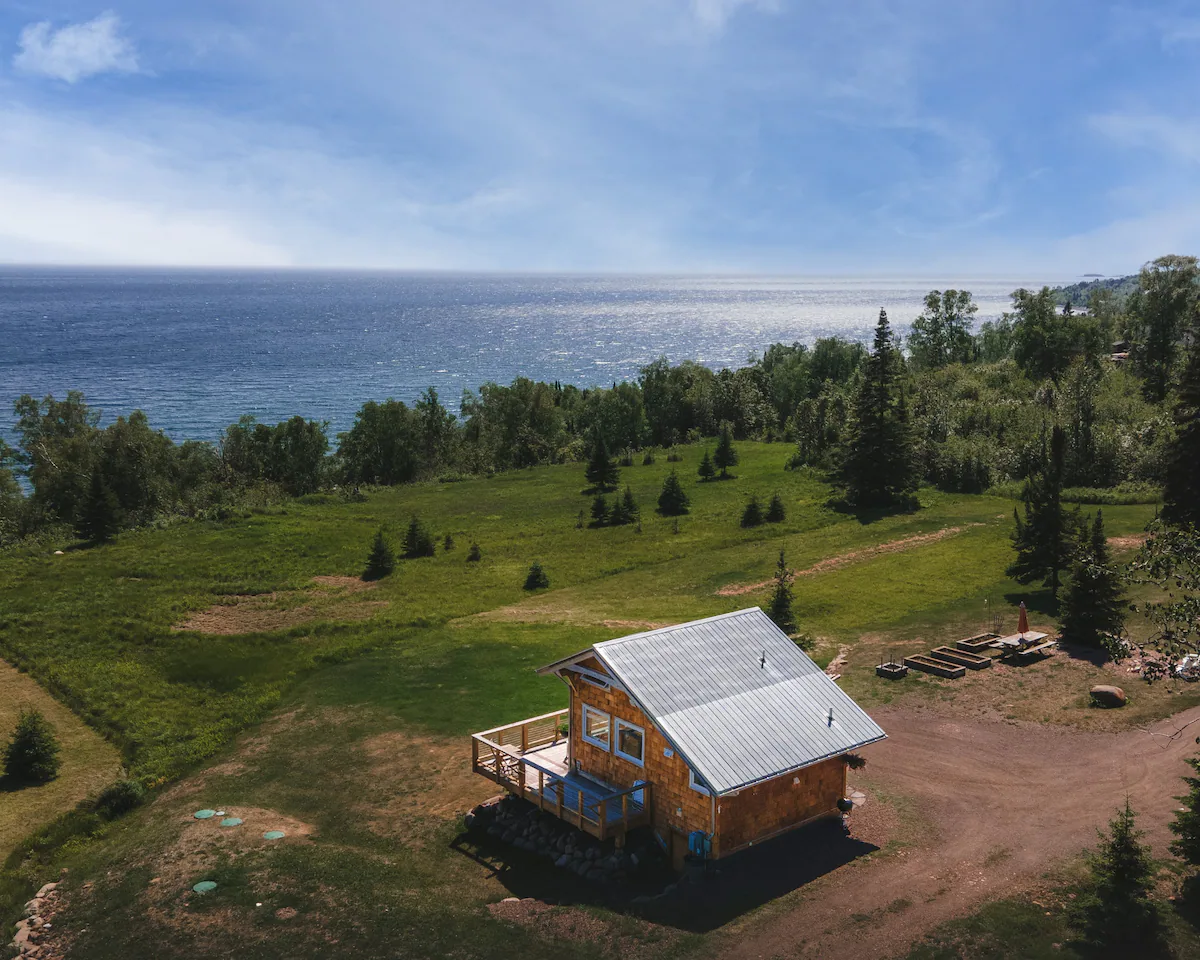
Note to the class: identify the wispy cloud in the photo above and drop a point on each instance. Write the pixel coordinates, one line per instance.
(1178, 139)
(77, 51)
(714, 14)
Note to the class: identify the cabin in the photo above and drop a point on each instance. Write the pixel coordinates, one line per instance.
(716, 734)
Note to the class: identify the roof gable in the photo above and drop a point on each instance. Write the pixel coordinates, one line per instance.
(737, 698)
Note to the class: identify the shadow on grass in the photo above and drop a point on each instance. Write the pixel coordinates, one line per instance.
(869, 515)
(729, 889)
(1096, 656)
(1037, 603)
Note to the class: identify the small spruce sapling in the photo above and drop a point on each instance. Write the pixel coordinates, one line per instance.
(775, 511)
(672, 502)
(381, 560)
(780, 608)
(599, 511)
(417, 541)
(629, 505)
(31, 755)
(752, 516)
(448, 543)
(474, 555)
(536, 579)
(648, 458)
(706, 470)
(725, 455)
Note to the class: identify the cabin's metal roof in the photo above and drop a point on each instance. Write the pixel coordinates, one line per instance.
(736, 698)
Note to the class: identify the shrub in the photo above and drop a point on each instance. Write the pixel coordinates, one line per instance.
(536, 579)
(672, 502)
(775, 512)
(417, 541)
(381, 560)
(448, 543)
(627, 458)
(32, 752)
(674, 456)
(752, 516)
(119, 798)
(473, 555)
(648, 458)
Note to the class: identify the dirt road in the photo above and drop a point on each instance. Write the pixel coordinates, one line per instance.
(1006, 801)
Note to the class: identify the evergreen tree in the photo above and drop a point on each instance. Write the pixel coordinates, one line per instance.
(629, 506)
(752, 516)
(618, 516)
(1094, 601)
(1115, 916)
(417, 541)
(775, 511)
(474, 555)
(599, 511)
(672, 502)
(1043, 540)
(381, 560)
(1181, 489)
(1186, 825)
(31, 755)
(536, 579)
(879, 468)
(601, 472)
(100, 517)
(448, 543)
(725, 456)
(706, 469)
(780, 607)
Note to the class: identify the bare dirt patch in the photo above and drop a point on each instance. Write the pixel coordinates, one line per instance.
(854, 556)
(269, 612)
(633, 624)
(1127, 543)
(639, 938)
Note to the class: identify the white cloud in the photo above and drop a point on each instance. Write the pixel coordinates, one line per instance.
(714, 14)
(76, 51)
(1178, 139)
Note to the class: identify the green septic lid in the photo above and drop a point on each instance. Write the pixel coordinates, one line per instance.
(231, 822)
(273, 835)
(204, 814)
(205, 886)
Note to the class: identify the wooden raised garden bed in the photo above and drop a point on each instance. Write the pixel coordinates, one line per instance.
(977, 644)
(891, 671)
(963, 658)
(938, 668)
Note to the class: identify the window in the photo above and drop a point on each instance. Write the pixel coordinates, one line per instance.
(696, 784)
(631, 742)
(596, 725)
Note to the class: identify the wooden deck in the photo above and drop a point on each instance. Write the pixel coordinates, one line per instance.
(529, 759)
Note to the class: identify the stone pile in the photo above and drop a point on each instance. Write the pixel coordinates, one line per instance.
(36, 925)
(520, 824)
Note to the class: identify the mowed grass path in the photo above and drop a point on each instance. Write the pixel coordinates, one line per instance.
(88, 762)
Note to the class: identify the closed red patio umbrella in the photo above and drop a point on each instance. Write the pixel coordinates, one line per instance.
(1023, 622)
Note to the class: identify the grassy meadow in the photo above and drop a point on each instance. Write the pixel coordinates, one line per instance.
(341, 710)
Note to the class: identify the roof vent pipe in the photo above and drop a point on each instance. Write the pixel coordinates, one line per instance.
(831, 716)
(762, 664)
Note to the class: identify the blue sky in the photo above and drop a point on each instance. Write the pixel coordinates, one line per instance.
(692, 135)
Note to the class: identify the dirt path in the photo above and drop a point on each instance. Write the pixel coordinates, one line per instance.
(854, 556)
(1006, 800)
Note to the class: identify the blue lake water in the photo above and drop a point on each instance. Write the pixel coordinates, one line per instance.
(196, 349)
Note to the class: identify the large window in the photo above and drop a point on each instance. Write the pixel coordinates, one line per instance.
(596, 725)
(631, 742)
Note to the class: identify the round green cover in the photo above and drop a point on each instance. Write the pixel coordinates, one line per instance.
(231, 822)
(205, 886)
(273, 835)
(204, 814)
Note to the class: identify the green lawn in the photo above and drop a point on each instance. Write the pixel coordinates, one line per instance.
(448, 648)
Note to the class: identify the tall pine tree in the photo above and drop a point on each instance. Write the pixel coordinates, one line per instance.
(879, 468)
(1181, 490)
(1186, 825)
(1043, 540)
(1094, 601)
(100, 518)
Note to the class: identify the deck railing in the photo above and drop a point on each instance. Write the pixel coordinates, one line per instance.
(498, 755)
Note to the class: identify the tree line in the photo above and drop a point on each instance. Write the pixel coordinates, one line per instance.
(960, 408)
